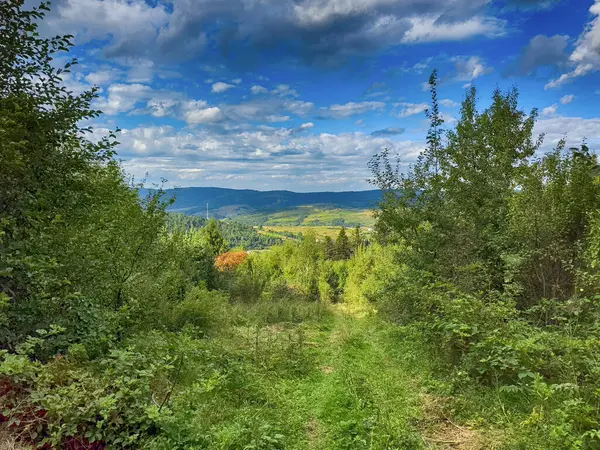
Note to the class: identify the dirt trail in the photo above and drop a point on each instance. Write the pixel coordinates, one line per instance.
(368, 393)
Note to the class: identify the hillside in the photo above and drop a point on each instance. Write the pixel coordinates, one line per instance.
(277, 207)
(232, 202)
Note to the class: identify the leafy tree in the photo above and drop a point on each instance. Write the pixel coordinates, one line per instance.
(74, 235)
(550, 221)
(452, 206)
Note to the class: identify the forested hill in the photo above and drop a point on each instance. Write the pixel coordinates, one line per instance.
(232, 202)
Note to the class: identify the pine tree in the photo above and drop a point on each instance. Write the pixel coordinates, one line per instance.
(356, 240)
(342, 245)
(329, 248)
(214, 238)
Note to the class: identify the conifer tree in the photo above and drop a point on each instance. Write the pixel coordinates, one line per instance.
(214, 238)
(342, 245)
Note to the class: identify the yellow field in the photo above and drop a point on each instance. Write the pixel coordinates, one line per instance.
(319, 231)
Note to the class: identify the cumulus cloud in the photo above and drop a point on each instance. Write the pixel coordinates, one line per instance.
(256, 89)
(283, 90)
(565, 100)
(586, 56)
(448, 103)
(429, 29)
(411, 109)
(200, 113)
(256, 156)
(425, 86)
(352, 108)
(220, 87)
(298, 107)
(574, 128)
(103, 77)
(123, 98)
(541, 51)
(140, 99)
(467, 69)
(250, 31)
(550, 110)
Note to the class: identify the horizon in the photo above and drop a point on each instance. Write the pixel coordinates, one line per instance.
(265, 191)
(299, 94)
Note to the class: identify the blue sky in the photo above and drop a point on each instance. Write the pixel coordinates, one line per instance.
(299, 94)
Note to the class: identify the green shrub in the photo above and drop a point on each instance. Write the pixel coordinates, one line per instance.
(107, 401)
(203, 309)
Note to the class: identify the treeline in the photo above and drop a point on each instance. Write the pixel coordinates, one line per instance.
(236, 234)
(296, 217)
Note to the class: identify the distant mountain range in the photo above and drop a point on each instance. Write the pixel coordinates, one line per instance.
(233, 202)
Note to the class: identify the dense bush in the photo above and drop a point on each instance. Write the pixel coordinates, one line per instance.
(497, 267)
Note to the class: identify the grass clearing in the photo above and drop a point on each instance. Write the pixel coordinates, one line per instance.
(325, 378)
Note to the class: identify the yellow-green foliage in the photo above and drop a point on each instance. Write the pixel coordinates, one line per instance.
(206, 310)
(370, 273)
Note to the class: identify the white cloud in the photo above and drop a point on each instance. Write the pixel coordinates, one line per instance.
(257, 89)
(123, 98)
(166, 32)
(360, 122)
(467, 69)
(574, 128)
(141, 71)
(163, 107)
(274, 158)
(586, 56)
(220, 87)
(550, 110)
(353, 108)
(274, 118)
(306, 126)
(429, 29)
(449, 103)
(103, 77)
(410, 109)
(579, 71)
(203, 115)
(128, 98)
(299, 107)
(565, 100)
(236, 81)
(92, 19)
(75, 82)
(283, 90)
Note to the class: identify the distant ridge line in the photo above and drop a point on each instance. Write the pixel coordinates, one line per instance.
(228, 202)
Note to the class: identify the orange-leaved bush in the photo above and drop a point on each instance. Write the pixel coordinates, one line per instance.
(230, 260)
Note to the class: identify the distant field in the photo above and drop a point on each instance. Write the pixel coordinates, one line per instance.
(313, 216)
(320, 231)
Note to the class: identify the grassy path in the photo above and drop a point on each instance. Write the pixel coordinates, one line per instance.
(363, 392)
